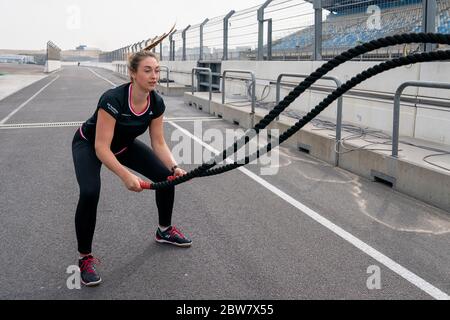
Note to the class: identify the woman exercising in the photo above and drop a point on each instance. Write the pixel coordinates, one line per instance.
(109, 137)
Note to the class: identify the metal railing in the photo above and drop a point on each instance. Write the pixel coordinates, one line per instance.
(253, 94)
(339, 106)
(396, 117)
(208, 70)
(167, 75)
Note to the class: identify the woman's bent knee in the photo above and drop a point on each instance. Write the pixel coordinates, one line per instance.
(90, 193)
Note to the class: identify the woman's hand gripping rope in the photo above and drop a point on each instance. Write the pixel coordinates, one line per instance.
(178, 172)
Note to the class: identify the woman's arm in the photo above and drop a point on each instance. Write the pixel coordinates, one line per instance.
(103, 137)
(159, 145)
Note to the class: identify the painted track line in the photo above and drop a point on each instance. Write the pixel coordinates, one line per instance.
(96, 74)
(79, 123)
(26, 102)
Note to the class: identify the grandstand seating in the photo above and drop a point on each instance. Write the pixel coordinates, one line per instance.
(347, 30)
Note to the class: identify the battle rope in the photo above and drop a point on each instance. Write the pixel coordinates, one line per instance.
(204, 169)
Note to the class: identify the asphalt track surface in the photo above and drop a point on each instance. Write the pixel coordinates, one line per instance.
(311, 231)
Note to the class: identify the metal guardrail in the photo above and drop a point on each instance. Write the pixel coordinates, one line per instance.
(209, 81)
(396, 117)
(167, 74)
(252, 74)
(339, 105)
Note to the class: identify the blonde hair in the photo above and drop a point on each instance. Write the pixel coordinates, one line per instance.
(135, 59)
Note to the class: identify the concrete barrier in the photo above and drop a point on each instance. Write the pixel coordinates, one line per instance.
(52, 65)
(174, 89)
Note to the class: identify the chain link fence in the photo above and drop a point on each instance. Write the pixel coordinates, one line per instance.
(213, 39)
(243, 35)
(53, 51)
(286, 30)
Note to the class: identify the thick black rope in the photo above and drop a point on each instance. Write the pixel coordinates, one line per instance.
(373, 71)
(302, 87)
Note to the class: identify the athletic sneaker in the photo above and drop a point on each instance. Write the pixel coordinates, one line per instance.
(173, 236)
(89, 274)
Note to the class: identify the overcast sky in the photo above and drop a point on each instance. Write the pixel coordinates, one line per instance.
(103, 24)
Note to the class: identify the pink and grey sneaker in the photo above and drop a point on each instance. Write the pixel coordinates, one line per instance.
(173, 236)
(88, 271)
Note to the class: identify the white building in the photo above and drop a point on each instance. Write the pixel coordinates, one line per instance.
(13, 58)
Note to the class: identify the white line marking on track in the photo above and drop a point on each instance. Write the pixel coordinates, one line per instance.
(26, 102)
(41, 125)
(95, 73)
(192, 119)
(364, 247)
(79, 123)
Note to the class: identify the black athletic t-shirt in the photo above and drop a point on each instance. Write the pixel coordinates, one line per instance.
(129, 124)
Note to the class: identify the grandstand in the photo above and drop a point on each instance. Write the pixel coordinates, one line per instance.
(443, 25)
(345, 25)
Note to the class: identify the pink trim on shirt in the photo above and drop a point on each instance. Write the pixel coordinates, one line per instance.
(116, 154)
(121, 151)
(130, 103)
(82, 135)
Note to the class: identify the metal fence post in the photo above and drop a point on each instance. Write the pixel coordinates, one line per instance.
(225, 34)
(269, 39)
(260, 16)
(317, 54)
(429, 21)
(170, 47)
(202, 25)
(173, 50)
(183, 34)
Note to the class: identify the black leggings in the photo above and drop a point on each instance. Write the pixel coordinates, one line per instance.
(138, 157)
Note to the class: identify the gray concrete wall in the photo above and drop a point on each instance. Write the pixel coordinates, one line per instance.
(52, 65)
